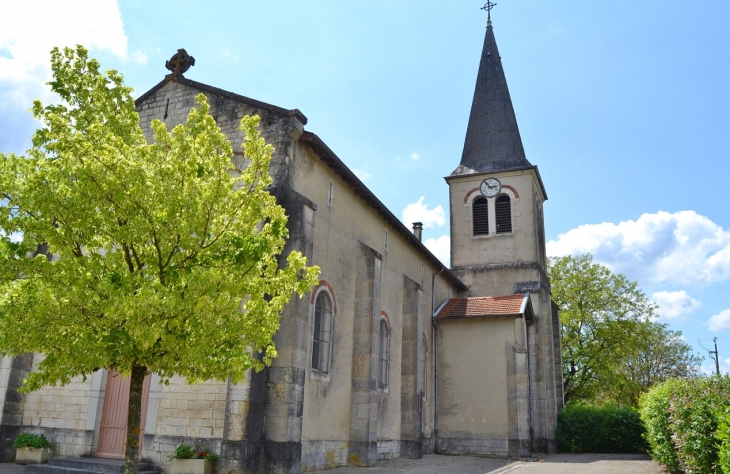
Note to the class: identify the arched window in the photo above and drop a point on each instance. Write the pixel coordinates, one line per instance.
(322, 337)
(503, 213)
(480, 213)
(384, 354)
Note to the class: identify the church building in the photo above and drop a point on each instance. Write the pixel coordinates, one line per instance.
(392, 354)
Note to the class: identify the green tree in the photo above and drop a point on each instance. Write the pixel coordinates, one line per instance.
(159, 259)
(658, 355)
(611, 346)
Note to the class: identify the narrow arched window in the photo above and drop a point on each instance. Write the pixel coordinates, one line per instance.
(503, 213)
(384, 354)
(480, 213)
(322, 337)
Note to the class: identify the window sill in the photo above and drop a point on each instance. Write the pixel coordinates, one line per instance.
(319, 376)
(490, 236)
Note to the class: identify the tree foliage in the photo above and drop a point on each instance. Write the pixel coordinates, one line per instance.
(612, 347)
(657, 355)
(654, 411)
(687, 424)
(162, 260)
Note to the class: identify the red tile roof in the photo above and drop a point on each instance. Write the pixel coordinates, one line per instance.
(482, 306)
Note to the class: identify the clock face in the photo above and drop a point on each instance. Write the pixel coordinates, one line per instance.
(490, 187)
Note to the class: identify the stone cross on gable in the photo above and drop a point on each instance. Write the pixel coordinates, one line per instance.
(179, 63)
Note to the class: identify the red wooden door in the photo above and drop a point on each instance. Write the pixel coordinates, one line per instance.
(113, 431)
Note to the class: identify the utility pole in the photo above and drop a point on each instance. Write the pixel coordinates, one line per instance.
(713, 354)
(717, 357)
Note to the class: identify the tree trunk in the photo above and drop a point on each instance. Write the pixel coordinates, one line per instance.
(131, 454)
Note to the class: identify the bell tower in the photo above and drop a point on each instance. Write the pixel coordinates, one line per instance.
(498, 237)
(496, 194)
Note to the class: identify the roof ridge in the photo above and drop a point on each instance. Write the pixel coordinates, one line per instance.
(511, 295)
(360, 189)
(227, 94)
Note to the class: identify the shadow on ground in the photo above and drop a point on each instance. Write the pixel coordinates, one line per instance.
(589, 458)
(553, 464)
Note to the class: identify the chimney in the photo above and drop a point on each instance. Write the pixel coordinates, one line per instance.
(418, 230)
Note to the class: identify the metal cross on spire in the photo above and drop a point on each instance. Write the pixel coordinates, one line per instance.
(488, 7)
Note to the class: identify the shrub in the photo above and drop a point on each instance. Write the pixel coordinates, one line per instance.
(694, 410)
(723, 436)
(583, 428)
(686, 423)
(654, 411)
(28, 440)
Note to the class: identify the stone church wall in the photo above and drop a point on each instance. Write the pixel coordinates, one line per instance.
(191, 411)
(180, 413)
(70, 416)
(337, 406)
(474, 415)
(65, 415)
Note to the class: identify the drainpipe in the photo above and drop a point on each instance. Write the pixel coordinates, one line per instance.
(435, 363)
(529, 369)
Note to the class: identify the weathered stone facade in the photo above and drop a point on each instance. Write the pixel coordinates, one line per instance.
(499, 384)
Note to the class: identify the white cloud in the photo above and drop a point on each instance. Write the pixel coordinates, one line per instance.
(363, 175)
(673, 304)
(556, 28)
(683, 247)
(140, 57)
(419, 212)
(29, 29)
(415, 157)
(720, 321)
(228, 54)
(440, 247)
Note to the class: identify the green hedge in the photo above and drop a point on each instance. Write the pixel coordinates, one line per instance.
(654, 411)
(723, 437)
(583, 428)
(688, 424)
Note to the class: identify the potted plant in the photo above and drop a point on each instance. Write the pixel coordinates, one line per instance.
(31, 449)
(188, 460)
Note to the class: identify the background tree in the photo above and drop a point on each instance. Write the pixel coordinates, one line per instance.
(162, 260)
(659, 354)
(611, 345)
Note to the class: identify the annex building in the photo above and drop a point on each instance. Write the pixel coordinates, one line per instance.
(392, 354)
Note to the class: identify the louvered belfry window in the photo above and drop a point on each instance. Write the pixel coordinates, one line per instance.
(322, 337)
(503, 212)
(480, 212)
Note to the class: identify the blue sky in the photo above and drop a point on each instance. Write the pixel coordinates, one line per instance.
(623, 105)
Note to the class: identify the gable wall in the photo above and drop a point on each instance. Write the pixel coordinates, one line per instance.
(179, 412)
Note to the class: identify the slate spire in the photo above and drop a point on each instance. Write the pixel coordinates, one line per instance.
(493, 140)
